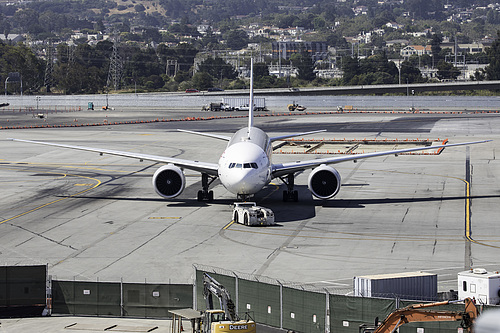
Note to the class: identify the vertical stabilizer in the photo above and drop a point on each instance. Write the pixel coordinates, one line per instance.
(250, 102)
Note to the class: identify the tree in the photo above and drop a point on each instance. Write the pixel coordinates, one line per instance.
(305, 66)
(236, 39)
(493, 69)
(447, 71)
(218, 68)
(260, 69)
(436, 47)
(202, 80)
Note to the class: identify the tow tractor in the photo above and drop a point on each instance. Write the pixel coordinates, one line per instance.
(224, 319)
(248, 213)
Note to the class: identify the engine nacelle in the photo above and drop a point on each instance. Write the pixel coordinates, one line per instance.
(324, 182)
(169, 181)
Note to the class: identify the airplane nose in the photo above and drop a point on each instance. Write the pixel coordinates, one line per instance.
(240, 182)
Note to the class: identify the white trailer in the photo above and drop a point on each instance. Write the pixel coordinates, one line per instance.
(248, 213)
(242, 103)
(480, 285)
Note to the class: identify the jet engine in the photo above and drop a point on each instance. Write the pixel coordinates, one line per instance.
(169, 181)
(324, 182)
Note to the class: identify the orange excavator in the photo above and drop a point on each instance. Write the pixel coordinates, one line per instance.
(420, 313)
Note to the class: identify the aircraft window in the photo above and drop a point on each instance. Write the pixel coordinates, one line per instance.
(231, 165)
(247, 166)
(238, 165)
(254, 165)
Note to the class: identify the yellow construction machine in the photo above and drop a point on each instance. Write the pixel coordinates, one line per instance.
(224, 319)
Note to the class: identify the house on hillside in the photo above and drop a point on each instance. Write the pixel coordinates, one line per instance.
(12, 38)
(419, 50)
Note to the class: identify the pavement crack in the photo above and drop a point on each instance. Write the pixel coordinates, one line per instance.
(135, 249)
(404, 216)
(42, 236)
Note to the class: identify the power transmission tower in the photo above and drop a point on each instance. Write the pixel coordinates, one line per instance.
(49, 68)
(115, 67)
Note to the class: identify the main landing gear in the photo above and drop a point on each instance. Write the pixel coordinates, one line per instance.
(290, 194)
(204, 194)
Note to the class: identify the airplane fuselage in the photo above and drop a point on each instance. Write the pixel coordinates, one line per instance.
(245, 165)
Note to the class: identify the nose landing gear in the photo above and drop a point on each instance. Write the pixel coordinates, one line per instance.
(204, 194)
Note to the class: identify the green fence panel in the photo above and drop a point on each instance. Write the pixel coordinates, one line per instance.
(261, 300)
(63, 297)
(155, 300)
(347, 313)
(108, 299)
(96, 298)
(229, 282)
(4, 290)
(303, 311)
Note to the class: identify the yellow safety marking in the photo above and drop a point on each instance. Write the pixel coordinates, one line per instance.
(228, 225)
(164, 218)
(58, 200)
(84, 184)
(468, 233)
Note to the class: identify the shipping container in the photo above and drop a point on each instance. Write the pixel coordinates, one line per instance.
(410, 285)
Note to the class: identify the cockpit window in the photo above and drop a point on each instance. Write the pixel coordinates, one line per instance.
(252, 165)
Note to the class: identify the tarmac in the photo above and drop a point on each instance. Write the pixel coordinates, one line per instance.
(92, 217)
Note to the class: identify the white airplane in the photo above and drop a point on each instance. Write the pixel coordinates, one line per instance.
(246, 167)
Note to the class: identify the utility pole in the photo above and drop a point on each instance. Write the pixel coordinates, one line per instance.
(115, 67)
(49, 66)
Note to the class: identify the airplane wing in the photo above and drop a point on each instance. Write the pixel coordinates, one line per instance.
(292, 167)
(209, 168)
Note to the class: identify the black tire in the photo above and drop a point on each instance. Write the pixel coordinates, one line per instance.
(295, 196)
(200, 195)
(285, 196)
(210, 195)
(245, 219)
(235, 217)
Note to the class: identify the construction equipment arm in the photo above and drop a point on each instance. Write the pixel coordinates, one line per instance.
(417, 313)
(212, 287)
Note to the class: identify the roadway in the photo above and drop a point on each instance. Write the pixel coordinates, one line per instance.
(97, 217)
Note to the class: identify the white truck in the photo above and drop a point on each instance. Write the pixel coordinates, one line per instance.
(242, 103)
(248, 213)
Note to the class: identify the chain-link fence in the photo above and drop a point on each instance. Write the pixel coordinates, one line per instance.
(145, 300)
(304, 308)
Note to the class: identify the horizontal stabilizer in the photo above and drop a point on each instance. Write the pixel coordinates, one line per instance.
(210, 135)
(294, 135)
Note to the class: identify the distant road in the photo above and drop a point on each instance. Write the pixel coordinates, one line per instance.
(381, 89)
